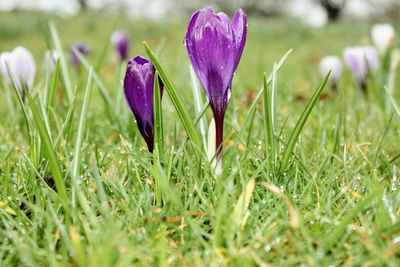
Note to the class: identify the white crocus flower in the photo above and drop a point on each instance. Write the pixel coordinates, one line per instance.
(383, 36)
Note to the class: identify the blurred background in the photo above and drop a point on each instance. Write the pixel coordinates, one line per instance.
(313, 12)
(312, 28)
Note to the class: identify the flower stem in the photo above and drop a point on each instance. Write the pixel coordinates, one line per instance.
(219, 131)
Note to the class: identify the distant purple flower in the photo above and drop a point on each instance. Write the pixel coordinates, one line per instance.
(21, 67)
(138, 89)
(361, 60)
(331, 63)
(215, 44)
(80, 47)
(50, 58)
(120, 40)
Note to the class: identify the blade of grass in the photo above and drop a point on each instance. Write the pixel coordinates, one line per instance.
(76, 163)
(163, 186)
(393, 102)
(198, 104)
(294, 214)
(300, 123)
(268, 127)
(103, 90)
(185, 140)
(105, 46)
(177, 101)
(67, 121)
(48, 149)
(53, 88)
(274, 107)
(79, 136)
(81, 127)
(238, 215)
(338, 232)
(9, 100)
(67, 85)
(252, 109)
(99, 184)
(258, 96)
(21, 103)
(274, 95)
(158, 119)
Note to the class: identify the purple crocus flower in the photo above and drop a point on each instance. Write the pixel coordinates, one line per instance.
(333, 63)
(20, 65)
(138, 89)
(80, 47)
(120, 40)
(361, 60)
(215, 44)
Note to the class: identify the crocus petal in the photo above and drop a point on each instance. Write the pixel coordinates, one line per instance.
(361, 60)
(333, 64)
(120, 40)
(239, 24)
(138, 90)
(23, 67)
(354, 58)
(383, 37)
(5, 60)
(214, 45)
(372, 58)
(213, 50)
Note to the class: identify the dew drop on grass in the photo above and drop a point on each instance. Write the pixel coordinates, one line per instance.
(267, 247)
(276, 241)
(396, 240)
(394, 178)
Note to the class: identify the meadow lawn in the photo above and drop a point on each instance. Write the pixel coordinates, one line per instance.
(78, 186)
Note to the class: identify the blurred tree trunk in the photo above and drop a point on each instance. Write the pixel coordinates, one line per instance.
(333, 8)
(83, 4)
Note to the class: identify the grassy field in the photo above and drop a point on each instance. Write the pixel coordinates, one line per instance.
(78, 187)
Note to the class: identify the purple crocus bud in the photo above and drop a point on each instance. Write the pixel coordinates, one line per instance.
(361, 60)
(50, 58)
(80, 47)
(120, 40)
(138, 89)
(331, 63)
(215, 44)
(20, 65)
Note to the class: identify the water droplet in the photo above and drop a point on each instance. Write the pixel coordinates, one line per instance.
(267, 247)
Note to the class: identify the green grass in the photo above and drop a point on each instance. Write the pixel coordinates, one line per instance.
(78, 187)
